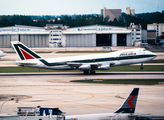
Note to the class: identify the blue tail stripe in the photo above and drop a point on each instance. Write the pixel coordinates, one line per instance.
(125, 108)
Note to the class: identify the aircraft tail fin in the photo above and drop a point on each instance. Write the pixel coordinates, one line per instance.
(130, 103)
(23, 51)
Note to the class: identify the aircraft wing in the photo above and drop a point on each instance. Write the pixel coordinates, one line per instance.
(73, 64)
(90, 65)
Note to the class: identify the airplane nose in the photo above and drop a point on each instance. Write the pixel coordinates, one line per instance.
(154, 55)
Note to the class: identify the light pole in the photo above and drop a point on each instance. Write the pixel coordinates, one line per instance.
(4, 103)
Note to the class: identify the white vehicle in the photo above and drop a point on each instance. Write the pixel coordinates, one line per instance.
(125, 112)
(86, 63)
(2, 53)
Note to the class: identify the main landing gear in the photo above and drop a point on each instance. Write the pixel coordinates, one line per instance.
(141, 66)
(89, 72)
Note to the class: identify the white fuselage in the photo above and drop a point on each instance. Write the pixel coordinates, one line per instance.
(2, 53)
(124, 57)
(103, 116)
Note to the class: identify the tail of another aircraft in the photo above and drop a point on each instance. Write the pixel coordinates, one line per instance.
(130, 103)
(23, 51)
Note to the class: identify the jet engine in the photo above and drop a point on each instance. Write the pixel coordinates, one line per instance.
(85, 67)
(104, 67)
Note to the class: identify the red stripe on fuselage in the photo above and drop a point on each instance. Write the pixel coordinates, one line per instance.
(129, 101)
(26, 55)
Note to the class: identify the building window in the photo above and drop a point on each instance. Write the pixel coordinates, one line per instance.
(56, 31)
(137, 38)
(138, 34)
(56, 34)
(56, 39)
(157, 29)
(137, 29)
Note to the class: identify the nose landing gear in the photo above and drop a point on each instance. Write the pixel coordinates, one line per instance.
(141, 66)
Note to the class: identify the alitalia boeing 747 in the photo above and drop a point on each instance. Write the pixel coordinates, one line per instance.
(86, 63)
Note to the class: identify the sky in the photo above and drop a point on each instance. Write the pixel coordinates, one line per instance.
(70, 7)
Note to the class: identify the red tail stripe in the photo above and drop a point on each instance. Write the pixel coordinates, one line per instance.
(26, 55)
(129, 101)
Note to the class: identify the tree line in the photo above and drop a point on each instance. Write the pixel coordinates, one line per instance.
(82, 20)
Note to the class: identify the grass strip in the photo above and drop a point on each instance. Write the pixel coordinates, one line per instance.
(112, 69)
(25, 70)
(137, 68)
(156, 61)
(122, 81)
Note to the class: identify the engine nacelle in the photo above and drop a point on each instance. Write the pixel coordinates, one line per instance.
(104, 67)
(85, 67)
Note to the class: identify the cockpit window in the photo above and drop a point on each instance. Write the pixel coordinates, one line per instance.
(144, 50)
(129, 53)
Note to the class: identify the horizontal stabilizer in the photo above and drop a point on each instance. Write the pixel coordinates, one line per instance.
(22, 63)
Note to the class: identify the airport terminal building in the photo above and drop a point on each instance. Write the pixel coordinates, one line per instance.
(85, 36)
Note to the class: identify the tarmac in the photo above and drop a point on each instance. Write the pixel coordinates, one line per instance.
(56, 90)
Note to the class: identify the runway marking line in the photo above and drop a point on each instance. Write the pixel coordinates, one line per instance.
(82, 93)
(77, 92)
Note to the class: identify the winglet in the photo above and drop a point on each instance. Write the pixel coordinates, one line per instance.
(130, 103)
(23, 51)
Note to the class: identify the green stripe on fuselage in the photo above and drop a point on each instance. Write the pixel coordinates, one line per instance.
(96, 60)
(52, 64)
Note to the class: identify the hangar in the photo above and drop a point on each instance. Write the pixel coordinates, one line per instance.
(85, 36)
(31, 36)
(96, 35)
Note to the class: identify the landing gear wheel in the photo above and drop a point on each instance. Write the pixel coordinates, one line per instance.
(141, 66)
(92, 72)
(86, 71)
